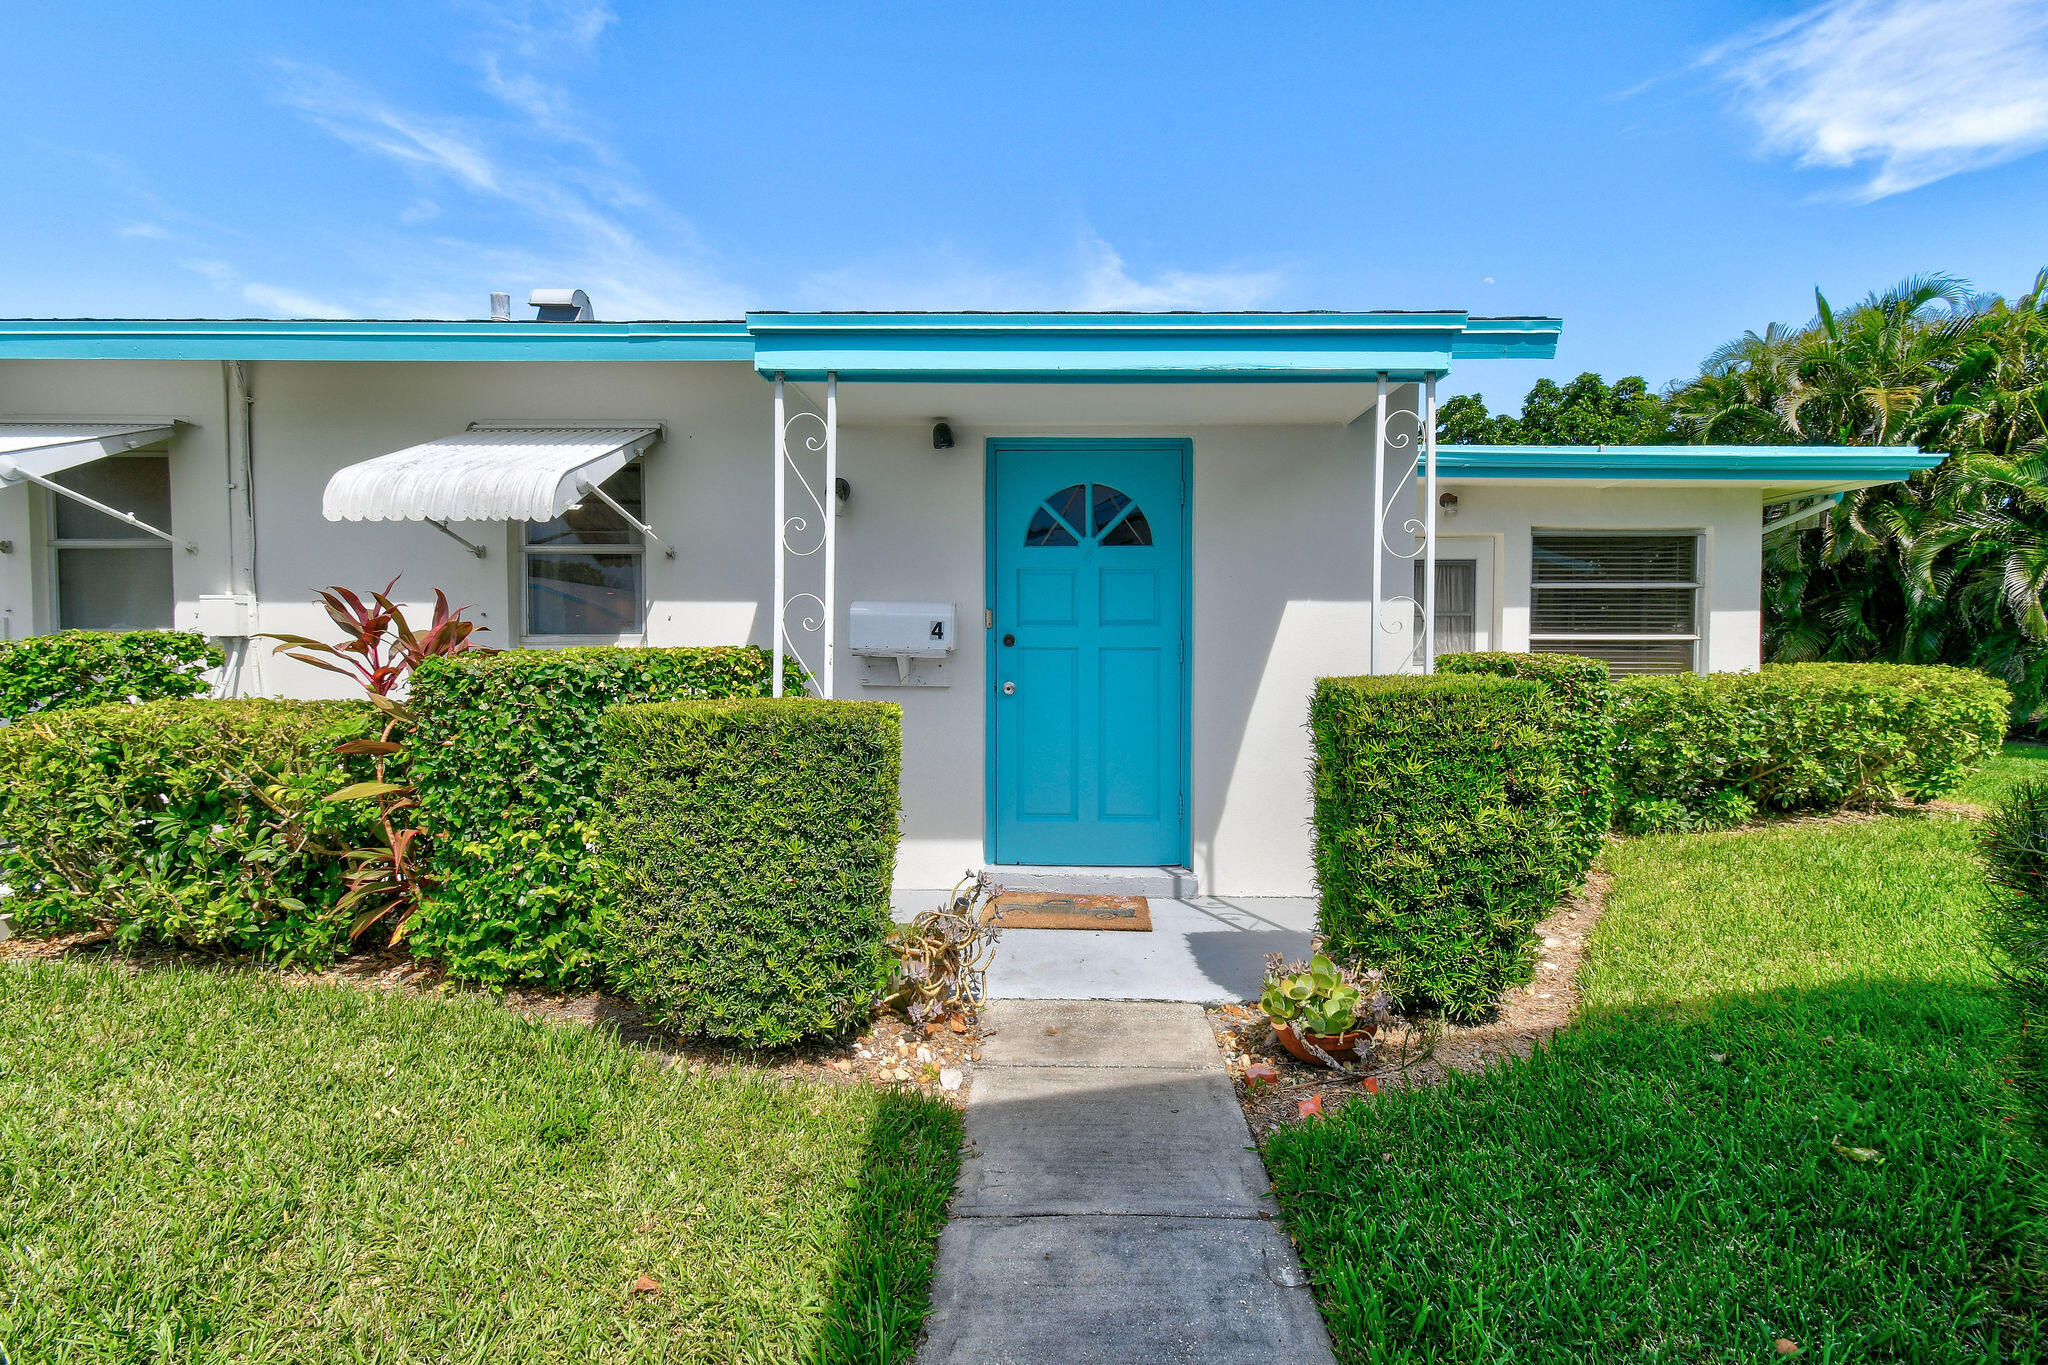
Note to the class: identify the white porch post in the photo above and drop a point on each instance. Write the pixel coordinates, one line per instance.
(831, 524)
(1379, 508)
(1429, 525)
(775, 541)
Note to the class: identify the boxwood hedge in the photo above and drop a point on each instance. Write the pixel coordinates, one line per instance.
(196, 822)
(507, 757)
(1692, 751)
(747, 848)
(1585, 700)
(89, 667)
(1444, 822)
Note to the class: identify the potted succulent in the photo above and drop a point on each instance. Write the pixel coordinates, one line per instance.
(1320, 1011)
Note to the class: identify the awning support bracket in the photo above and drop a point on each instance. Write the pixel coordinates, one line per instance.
(591, 490)
(463, 541)
(10, 472)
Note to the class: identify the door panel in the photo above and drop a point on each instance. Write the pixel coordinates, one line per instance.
(1088, 561)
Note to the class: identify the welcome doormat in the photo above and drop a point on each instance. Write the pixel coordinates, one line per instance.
(1051, 910)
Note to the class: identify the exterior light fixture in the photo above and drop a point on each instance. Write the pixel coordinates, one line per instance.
(1448, 502)
(942, 436)
(843, 489)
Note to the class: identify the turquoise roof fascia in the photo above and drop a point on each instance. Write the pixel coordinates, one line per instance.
(1772, 466)
(989, 347)
(1507, 339)
(1130, 347)
(319, 339)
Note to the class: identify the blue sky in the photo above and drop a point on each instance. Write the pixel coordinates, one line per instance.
(1660, 176)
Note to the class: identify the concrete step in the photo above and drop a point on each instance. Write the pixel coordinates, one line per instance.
(1164, 883)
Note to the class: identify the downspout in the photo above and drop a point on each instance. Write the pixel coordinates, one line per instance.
(243, 674)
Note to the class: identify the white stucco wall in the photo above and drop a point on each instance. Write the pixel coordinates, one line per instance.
(1281, 577)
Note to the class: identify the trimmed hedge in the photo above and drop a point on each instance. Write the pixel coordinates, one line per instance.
(2015, 840)
(196, 822)
(507, 758)
(1585, 701)
(1696, 751)
(88, 668)
(748, 847)
(1444, 817)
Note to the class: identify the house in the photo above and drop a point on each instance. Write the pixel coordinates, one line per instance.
(1098, 558)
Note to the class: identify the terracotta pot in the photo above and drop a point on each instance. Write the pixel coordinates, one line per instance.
(1342, 1047)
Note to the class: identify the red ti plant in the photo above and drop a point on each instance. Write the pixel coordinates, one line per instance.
(379, 649)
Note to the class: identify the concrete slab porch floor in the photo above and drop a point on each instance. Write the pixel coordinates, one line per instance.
(1206, 950)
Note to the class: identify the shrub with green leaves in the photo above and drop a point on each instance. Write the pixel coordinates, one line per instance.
(1444, 810)
(195, 822)
(747, 848)
(1585, 700)
(89, 667)
(1696, 751)
(2015, 842)
(506, 758)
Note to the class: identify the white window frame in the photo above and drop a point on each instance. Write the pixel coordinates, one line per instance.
(54, 546)
(522, 553)
(1693, 640)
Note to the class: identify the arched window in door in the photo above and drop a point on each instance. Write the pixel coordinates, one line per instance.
(1088, 512)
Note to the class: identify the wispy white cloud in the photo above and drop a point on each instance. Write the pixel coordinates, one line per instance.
(290, 302)
(1906, 92)
(1107, 283)
(268, 298)
(586, 220)
(1093, 276)
(142, 230)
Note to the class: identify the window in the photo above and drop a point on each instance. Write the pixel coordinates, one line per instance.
(1085, 511)
(1629, 599)
(1457, 606)
(585, 576)
(109, 575)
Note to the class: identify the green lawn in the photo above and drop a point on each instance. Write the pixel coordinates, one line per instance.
(1663, 1182)
(202, 1166)
(2015, 763)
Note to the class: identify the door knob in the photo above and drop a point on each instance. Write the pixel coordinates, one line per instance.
(1009, 689)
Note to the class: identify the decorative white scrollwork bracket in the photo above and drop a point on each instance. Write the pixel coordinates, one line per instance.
(797, 435)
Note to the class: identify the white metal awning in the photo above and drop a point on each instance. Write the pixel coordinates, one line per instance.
(46, 447)
(492, 472)
(30, 452)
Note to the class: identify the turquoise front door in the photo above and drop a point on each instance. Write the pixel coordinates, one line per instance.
(1088, 677)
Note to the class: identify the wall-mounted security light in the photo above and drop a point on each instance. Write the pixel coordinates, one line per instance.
(843, 489)
(942, 436)
(1448, 503)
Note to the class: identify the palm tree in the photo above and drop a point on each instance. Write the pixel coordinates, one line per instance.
(1950, 566)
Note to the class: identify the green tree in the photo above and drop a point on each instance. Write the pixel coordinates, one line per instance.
(1949, 566)
(1586, 411)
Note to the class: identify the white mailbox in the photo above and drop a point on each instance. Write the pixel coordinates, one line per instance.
(901, 644)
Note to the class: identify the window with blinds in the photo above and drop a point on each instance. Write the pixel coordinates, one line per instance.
(1631, 599)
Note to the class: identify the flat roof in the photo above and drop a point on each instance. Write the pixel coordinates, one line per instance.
(985, 346)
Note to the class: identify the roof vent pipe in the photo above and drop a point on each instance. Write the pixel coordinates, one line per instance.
(562, 305)
(501, 306)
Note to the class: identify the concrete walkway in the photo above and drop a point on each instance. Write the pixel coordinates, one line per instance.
(1110, 1207)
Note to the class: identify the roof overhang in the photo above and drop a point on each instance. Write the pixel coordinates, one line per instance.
(47, 447)
(501, 471)
(318, 339)
(1776, 471)
(1182, 348)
